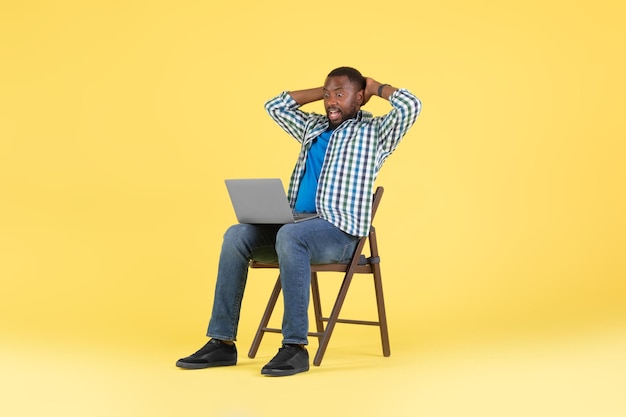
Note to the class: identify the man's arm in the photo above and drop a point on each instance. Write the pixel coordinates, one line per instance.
(310, 95)
(284, 110)
(373, 88)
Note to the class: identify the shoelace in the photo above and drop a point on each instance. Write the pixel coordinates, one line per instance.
(210, 345)
(285, 351)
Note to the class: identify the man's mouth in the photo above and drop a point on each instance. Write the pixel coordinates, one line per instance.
(333, 114)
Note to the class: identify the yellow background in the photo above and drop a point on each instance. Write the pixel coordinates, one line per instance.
(505, 286)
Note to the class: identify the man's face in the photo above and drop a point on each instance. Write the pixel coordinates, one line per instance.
(342, 99)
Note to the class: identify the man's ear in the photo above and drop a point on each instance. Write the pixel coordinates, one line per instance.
(361, 97)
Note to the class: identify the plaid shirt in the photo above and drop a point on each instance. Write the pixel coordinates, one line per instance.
(355, 154)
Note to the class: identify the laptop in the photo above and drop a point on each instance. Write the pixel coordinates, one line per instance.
(262, 201)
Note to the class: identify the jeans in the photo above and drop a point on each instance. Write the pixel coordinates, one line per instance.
(295, 247)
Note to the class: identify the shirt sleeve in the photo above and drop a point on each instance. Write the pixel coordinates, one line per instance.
(284, 110)
(394, 125)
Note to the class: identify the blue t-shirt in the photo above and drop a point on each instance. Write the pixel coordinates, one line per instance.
(305, 202)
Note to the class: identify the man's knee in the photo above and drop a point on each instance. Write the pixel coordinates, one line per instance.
(288, 236)
(286, 233)
(237, 233)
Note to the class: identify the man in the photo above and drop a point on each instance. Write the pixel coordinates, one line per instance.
(341, 154)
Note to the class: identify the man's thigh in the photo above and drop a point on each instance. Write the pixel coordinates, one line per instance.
(325, 242)
(259, 239)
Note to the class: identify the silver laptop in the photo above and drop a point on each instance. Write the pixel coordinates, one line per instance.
(262, 201)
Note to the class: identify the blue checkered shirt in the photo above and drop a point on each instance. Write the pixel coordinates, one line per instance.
(356, 152)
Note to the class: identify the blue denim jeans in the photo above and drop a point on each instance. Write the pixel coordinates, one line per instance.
(295, 247)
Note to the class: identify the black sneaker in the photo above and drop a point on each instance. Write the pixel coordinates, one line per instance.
(290, 360)
(214, 353)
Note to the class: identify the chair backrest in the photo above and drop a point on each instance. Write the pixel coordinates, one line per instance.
(378, 195)
(358, 258)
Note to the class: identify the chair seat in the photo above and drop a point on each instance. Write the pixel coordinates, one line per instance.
(363, 267)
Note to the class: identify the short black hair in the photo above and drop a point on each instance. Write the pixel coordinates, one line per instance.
(353, 75)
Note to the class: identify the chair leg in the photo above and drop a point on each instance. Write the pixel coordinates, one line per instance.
(265, 319)
(317, 304)
(382, 315)
(380, 299)
(332, 320)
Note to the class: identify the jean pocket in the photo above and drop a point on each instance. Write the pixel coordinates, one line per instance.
(348, 251)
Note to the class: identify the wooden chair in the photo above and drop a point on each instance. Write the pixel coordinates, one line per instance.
(360, 264)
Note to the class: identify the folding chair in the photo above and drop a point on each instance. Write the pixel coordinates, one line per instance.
(360, 264)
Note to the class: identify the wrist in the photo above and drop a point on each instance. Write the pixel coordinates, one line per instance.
(380, 89)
